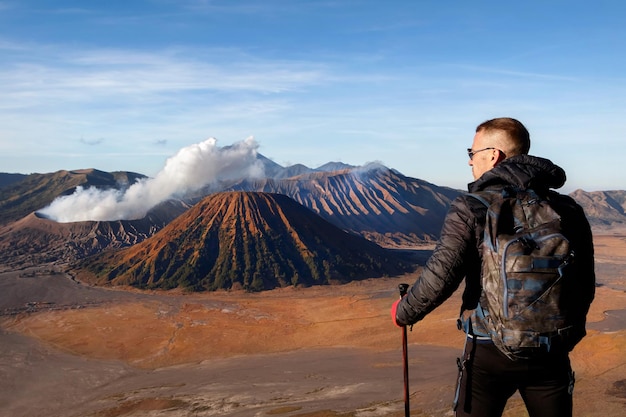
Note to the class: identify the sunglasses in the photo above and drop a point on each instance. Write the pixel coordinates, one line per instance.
(471, 153)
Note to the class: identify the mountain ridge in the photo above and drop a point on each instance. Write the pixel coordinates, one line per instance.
(376, 202)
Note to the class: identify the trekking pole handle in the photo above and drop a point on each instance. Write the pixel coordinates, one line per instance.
(403, 288)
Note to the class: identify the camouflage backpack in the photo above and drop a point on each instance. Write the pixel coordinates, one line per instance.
(524, 270)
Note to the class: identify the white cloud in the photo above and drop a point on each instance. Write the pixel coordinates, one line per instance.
(86, 76)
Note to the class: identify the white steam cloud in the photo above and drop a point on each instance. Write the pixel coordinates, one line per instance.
(192, 168)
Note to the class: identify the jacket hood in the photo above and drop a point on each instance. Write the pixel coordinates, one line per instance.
(522, 171)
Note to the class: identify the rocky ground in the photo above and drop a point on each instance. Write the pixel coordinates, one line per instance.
(69, 350)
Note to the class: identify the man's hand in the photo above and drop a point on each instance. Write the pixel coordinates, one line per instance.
(394, 309)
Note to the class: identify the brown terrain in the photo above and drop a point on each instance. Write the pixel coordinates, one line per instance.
(69, 350)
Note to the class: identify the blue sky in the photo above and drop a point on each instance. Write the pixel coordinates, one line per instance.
(123, 85)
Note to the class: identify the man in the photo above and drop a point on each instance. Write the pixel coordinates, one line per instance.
(499, 158)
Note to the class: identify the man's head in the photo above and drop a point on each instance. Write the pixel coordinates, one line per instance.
(496, 140)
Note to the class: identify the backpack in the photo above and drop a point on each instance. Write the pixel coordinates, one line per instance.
(526, 259)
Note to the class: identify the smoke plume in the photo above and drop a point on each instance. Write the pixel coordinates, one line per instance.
(192, 168)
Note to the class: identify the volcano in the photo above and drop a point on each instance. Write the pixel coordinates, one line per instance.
(244, 240)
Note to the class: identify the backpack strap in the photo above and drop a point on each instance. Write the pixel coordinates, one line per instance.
(479, 198)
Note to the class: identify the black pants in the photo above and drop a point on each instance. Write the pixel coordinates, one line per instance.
(489, 379)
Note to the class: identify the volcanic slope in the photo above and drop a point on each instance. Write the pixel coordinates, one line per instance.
(375, 202)
(247, 240)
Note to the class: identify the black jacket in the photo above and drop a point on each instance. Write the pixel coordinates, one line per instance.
(457, 253)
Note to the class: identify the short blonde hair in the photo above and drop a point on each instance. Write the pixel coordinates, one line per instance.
(515, 133)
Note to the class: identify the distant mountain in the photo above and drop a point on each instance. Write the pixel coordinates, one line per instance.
(276, 171)
(294, 171)
(375, 202)
(248, 240)
(8, 179)
(605, 209)
(299, 169)
(334, 166)
(35, 191)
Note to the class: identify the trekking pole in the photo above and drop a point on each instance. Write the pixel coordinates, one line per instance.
(405, 358)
